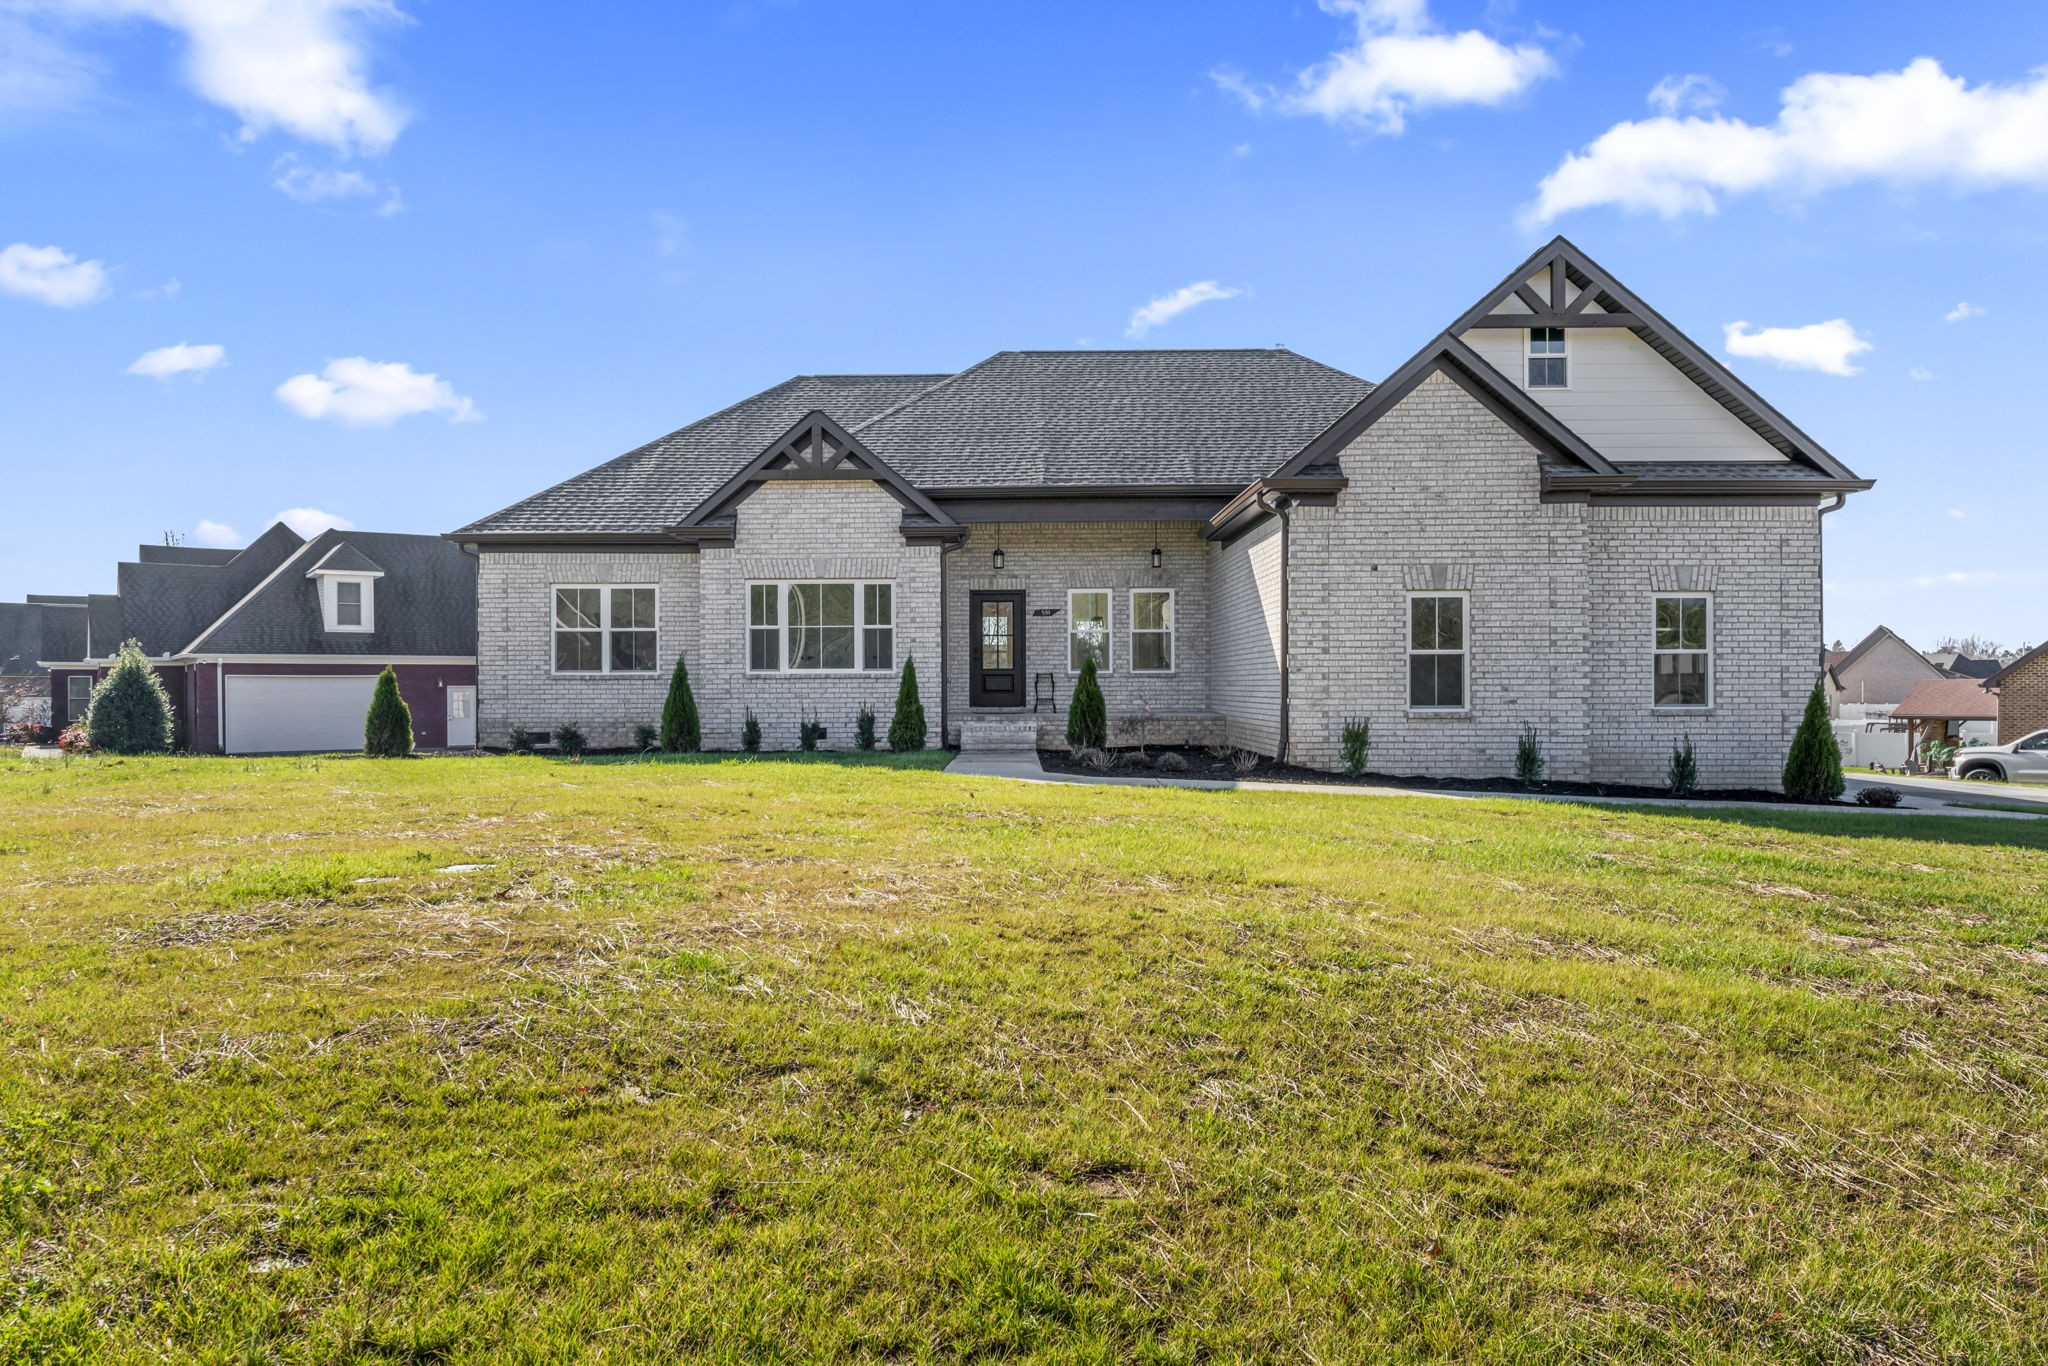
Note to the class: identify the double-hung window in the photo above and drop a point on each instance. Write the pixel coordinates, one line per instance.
(1436, 652)
(604, 629)
(1546, 358)
(348, 602)
(821, 627)
(1683, 652)
(77, 697)
(1088, 629)
(1152, 630)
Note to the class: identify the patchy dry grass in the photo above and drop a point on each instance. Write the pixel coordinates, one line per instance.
(340, 1061)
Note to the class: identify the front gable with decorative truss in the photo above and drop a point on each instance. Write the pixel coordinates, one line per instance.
(816, 449)
(1636, 388)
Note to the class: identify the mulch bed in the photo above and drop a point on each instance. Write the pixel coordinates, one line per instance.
(1215, 764)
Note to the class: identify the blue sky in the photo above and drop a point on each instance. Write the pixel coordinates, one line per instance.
(451, 253)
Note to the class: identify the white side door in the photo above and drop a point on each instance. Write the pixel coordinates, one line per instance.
(462, 718)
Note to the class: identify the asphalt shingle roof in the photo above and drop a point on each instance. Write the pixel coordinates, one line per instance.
(1020, 419)
(648, 490)
(347, 558)
(424, 605)
(21, 639)
(167, 602)
(1948, 699)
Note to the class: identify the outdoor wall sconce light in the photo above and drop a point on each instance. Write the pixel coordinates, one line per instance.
(997, 558)
(1155, 557)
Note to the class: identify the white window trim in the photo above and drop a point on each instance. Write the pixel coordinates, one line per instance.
(782, 628)
(1682, 708)
(604, 644)
(71, 687)
(1465, 652)
(1108, 666)
(1172, 632)
(330, 602)
(1528, 342)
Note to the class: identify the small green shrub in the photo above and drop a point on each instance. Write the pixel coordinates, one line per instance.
(387, 730)
(1170, 762)
(1087, 713)
(522, 740)
(1357, 745)
(646, 737)
(1813, 768)
(906, 727)
(1880, 796)
(1683, 773)
(864, 728)
(570, 741)
(750, 733)
(809, 730)
(1529, 756)
(681, 730)
(130, 711)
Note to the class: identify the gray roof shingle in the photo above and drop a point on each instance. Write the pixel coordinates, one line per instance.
(424, 605)
(21, 640)
(167, 602)
(1020, 419)
(648, 490)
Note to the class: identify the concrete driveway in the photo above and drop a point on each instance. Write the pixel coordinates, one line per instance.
(1941, 793)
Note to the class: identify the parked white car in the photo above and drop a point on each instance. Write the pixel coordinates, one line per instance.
(2025, 760)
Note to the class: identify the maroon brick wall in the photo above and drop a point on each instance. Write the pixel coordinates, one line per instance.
(423, 686)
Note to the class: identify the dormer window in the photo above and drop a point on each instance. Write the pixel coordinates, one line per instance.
(346, 580)
(1546, 358)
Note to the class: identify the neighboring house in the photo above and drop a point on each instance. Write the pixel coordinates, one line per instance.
(2022, 688)
(1874, 675)
(275, 648)
(1956, 664)
(1560, 513)
(1951, 709)
(24, 683)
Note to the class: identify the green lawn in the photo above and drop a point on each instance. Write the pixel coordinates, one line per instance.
(790, 1061)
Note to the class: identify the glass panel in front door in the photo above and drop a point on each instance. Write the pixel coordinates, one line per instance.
(998, 626)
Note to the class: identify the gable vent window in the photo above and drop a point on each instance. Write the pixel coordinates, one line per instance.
(1546, 358)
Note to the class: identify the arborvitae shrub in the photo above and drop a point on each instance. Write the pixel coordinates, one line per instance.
(906, 727)
(570, 741)
(864, 728)
(1529, 756)
(1357, 745)
(750, 733)
(1813, 769)
(681, 731)
(1087, 713)
(387, 730)
(130, 711)
(1683, 775)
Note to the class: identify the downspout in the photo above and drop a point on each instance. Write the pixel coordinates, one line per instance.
(945, 664)
(1280, 505)
(1820, 571)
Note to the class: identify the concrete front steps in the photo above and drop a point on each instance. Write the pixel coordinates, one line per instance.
(998, 735)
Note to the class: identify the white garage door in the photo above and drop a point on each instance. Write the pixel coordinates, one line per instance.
(277, 715)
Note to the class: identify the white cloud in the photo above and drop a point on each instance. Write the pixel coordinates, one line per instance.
(218, 535)
(1958, 576)
(1828, 347)
(298, 65)
(361, 392)
(1916, 126)
(1957, 513)
(37, 69)
(313, 185)
(182, 359)
(1167, 307)
(167, 291)
(1688, 94)
(50, 275)
(310, 522)
(1401, 61)
(1961, 312)
(1920, 372)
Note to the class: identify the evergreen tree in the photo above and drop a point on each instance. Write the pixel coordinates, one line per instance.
(681, 731)
(1813, 770)
(130, 711)
(387, 731)
(906, 727)
(1087, 713)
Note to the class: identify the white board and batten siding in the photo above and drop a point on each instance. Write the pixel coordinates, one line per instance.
(286, 714)
(1627, 401)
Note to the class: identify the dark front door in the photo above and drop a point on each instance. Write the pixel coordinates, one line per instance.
(995, 673)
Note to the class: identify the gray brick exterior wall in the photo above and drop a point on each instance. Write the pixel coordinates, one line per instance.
(516, 681)
(804, 531)
(1043, 560)
(1444, 497)
(1244, 655)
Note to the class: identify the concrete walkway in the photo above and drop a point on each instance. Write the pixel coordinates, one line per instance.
(1024, 766)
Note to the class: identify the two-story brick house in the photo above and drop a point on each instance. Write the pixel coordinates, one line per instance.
(1561, 513)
